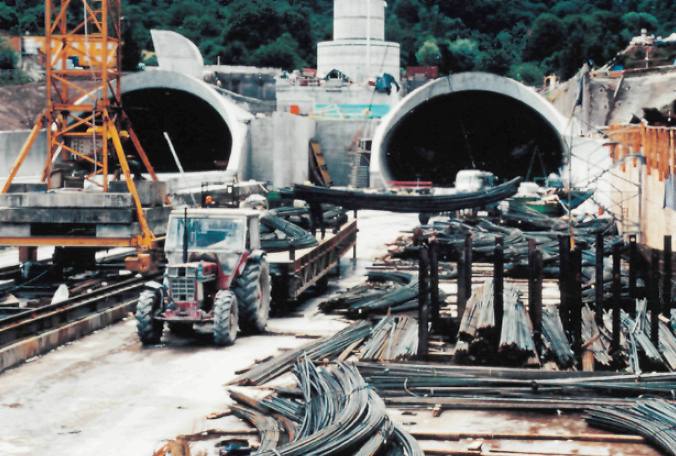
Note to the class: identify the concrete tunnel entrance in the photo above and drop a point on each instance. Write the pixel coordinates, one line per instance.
(468, 121)
(198, 132)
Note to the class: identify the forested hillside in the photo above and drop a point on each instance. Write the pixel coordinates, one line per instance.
(523, 38)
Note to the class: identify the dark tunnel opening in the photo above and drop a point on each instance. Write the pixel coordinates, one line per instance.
(472, 129)
(200, 136)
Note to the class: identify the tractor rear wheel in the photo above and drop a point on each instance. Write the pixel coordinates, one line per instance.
(148, 307)
(226, 318)
(253, 290)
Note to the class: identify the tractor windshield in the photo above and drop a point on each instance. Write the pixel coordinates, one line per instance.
(206, 234)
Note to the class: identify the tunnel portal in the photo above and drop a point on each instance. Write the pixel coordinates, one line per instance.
(469, 121)
(198, 132)
(468, 130)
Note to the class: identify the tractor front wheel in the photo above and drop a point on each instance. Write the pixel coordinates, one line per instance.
(253, 290)
(148, 307)
(226, 316)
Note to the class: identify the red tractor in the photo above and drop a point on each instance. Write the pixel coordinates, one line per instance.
(216, 281)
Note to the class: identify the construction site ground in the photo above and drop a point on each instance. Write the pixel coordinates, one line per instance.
(106, 395)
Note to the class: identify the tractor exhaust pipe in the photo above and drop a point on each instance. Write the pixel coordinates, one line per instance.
(185, 236)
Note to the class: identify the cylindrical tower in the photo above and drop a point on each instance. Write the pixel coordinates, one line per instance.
(359, 48)
(358, 19)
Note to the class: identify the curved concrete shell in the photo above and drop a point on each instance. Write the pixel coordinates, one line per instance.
(463, 120)
(234, 118)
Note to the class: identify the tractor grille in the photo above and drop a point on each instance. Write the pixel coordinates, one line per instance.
(182, 288)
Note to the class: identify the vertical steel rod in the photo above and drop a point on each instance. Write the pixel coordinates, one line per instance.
(423, 307)
(598, 282)
(576, 299)
(535, 290)
(666, 279)
(615, 344)
(654, 298)
(434, 283)
(564, 259)
(498, 285)
(633, 273)
(468, 265)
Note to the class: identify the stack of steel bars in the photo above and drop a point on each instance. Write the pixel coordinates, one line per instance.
(338, 415)
(328, 347)
(384, 292)
(433, 381)
(393, 339)
(654, 419)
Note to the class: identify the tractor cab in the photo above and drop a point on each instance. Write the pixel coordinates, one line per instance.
(212, 241)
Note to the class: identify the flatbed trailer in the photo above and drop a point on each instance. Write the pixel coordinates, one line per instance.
(294, 271)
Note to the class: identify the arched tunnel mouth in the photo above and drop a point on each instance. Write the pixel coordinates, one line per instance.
(199, 134)
(471, 130)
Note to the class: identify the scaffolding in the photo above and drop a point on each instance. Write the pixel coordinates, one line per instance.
(83, 118)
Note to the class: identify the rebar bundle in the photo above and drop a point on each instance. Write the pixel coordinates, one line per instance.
(328, 347)
(557, 346)
(342, 416)
(393, 339)
(654, 419)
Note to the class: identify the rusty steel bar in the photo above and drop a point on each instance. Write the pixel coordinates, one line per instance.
(576, 299)
(617, 300)
(434, 283)
(564, 268)
(498, 284)
(667, 303)
(535, 278)
(423, 302)
(654, 298)
(598, 282)
(633, 270)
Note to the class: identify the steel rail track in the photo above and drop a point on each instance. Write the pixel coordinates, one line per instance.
(37, 320)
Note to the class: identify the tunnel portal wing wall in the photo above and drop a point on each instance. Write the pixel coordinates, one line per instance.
(461, 82)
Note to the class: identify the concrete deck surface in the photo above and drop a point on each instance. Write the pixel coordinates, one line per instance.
(106, 395)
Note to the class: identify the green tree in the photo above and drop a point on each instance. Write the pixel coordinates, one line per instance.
(429, 53)
(463, 55)
(635, 21)
(529, 73)
(281, 53)
(546, 37)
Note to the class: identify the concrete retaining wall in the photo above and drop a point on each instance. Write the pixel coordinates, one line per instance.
(279, 148)
(10, 145)
(336, 139)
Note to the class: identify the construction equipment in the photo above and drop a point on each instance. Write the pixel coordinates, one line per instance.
(217, 277)
(86, 131)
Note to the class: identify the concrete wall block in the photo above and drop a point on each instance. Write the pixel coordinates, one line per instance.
(116, 231)
(15, 230)
(335, 138)
(67, 199)
(66, 215)
(11, 143)
(280, 148)
(151, 193)
(24, 187)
